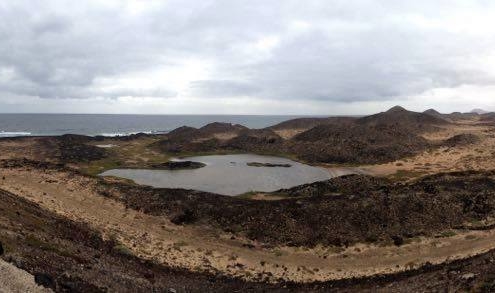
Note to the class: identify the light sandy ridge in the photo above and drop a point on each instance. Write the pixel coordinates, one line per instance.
(477, 156)
(14, 280)
(202, 249)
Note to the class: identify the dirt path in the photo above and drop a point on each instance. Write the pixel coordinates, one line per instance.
(14, 280)
(204, 249)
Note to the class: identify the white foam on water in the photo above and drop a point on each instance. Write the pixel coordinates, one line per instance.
(14, 133)
(106, 145)
(115, 134)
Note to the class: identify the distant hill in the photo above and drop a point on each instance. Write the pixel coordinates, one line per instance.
(404, 120)
(255, 140)
(432, 112)
(207, 131)
(358, 143)
(383, 137)
(458, 116)
(182, 133)
(220, 127)
(435, 113)
(488, 117)
(307, 123)
(479, 111)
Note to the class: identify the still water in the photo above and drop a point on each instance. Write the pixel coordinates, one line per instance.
(230, 174)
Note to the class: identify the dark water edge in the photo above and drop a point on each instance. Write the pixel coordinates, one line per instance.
(113, 125)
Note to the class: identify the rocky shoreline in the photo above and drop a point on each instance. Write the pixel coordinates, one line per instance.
(178, 165)
(270, 165)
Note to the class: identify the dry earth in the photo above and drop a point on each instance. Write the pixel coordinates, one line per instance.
(14, 280)
(199, 248)
(477, 156)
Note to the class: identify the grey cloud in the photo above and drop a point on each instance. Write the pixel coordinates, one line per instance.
(74, 92)
(51, 24)
(223, 88)
(369, 66)
(57, 56)
(133, 92)
(350, 51)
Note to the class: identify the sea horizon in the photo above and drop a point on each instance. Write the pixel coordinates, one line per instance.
(54, 124)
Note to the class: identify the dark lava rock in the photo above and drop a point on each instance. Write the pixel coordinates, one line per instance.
(185, 217)
(255, 140)
(74, 149)
(44, 280)
(461, 140)
(179, 165)
(258, 164)
(348, 184)
(360, 144)
(346, 210)
(398, 240)
(77, 285)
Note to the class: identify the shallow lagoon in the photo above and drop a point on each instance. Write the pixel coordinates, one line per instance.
(230, 174)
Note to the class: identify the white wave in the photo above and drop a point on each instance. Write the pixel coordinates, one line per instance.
(112, 134)
(14, 133)
(106, 146)
(115, 134)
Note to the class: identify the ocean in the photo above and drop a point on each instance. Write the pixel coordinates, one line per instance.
(114, 125)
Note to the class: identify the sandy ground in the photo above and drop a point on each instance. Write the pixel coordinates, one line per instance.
(14, 280)
(220, 136)
(18, 149)
(202, 249)
(289, 133)
(479, 156)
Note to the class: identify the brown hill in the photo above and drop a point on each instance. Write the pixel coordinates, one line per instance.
(403, 119)
(479, 111)
(460, 140)
(182, 133)
(363, 144)
(379, 138)
(220, 127)
(488, 117)
(307, 123)
(458, 116)
(204, 139)
(207, 131)
(433, 112)
(256, 140)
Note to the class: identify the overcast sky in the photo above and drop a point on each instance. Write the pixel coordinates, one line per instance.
(246, 57)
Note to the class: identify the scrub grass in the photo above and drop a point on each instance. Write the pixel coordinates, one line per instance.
(138, 153)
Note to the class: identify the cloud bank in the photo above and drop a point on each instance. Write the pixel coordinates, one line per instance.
(219, 56)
